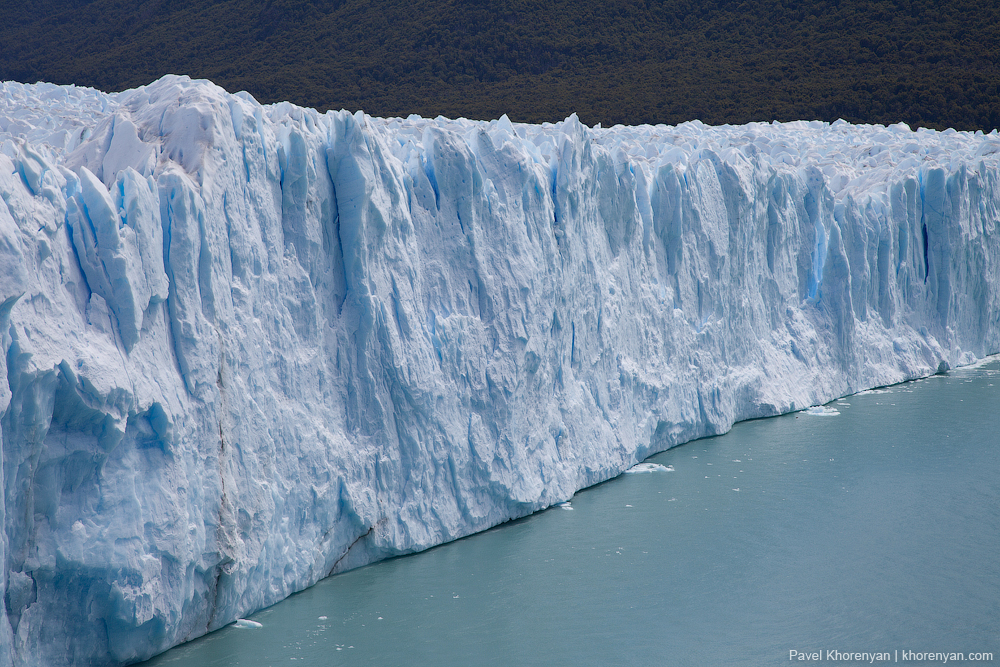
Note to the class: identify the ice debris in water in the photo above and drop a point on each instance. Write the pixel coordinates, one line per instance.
(246, 623)
(649, 467)
(822, 411)
(564, 506)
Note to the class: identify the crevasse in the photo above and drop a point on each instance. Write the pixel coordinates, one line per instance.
(245, 346)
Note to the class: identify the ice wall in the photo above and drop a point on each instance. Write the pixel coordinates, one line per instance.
(245, 347)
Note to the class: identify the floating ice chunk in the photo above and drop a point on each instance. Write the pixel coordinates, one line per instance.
(564, 506)
(822, 411)
(649, 467)
(246, 623)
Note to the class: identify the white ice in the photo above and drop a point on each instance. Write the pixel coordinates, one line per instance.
(649, 467)
(821, 411)
(243, 347)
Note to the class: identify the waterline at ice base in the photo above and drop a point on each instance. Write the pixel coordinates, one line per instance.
(245, 347)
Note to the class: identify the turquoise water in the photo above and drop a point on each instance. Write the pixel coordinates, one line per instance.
(875, 529)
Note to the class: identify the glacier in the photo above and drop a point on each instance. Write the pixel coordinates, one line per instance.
(245, 347)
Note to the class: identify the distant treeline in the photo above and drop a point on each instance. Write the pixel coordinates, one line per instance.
(928, 63)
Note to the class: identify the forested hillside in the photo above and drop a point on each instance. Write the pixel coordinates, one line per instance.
(925, 62)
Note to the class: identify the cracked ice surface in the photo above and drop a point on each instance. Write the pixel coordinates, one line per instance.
(246, 346)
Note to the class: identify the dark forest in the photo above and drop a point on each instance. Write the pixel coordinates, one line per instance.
(923, 62)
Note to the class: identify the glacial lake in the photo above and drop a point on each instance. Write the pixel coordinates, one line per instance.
(874, 529)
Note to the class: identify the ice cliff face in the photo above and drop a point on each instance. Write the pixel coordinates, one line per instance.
(244, 347)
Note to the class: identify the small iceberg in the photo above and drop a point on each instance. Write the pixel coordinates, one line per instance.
(822, 411)
(246, 623)
(648, 467)
(564, 506)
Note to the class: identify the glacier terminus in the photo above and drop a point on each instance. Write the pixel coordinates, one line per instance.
(244, 347)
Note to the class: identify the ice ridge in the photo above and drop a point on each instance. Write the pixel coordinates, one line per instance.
(245, 346)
